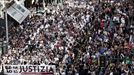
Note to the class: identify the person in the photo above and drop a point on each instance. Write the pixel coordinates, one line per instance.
(75, 37)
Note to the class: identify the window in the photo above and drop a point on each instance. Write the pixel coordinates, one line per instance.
(20, 8)
(14, 13)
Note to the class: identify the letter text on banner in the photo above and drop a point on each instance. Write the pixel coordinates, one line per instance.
(28, 69)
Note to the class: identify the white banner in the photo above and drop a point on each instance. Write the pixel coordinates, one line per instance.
(29, 69)
(18, 12)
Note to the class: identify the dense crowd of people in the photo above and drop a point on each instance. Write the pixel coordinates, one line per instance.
(93, 38)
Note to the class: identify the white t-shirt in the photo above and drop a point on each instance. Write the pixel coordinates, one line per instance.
(122, 20)
(111, 73)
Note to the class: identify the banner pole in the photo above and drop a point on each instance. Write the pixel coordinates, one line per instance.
(7, 39)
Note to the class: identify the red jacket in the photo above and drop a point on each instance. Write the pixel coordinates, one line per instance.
(102, 24)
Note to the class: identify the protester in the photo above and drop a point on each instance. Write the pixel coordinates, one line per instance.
(75, 37)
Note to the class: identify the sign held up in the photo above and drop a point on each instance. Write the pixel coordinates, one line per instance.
(18, 12)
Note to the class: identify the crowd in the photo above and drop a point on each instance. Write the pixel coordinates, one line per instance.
(91, 39)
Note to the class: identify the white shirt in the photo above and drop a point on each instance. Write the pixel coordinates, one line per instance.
(122, 20)
(116, 18)
(111, 73)
(87, 17)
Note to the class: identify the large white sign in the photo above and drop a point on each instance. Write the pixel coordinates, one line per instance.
(18, 12)
(29, 69)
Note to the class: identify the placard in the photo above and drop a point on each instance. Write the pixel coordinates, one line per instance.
(18, 12)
